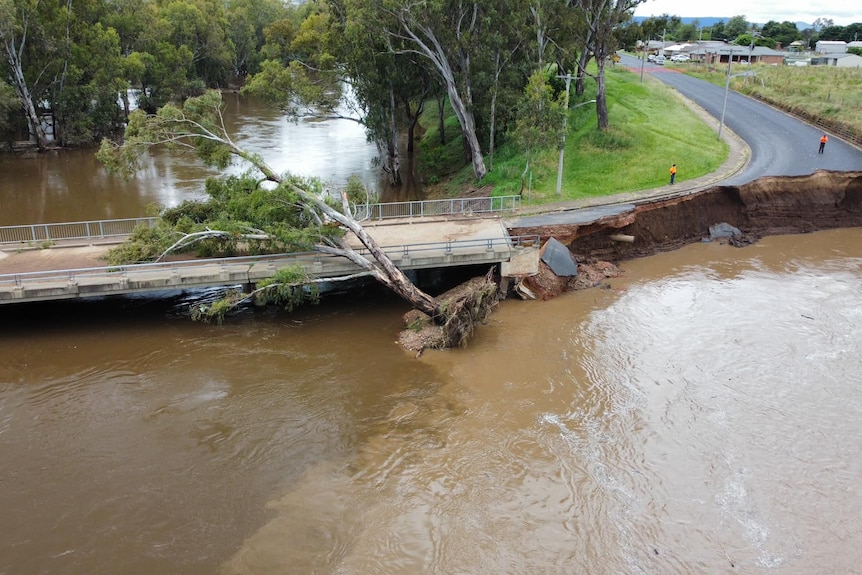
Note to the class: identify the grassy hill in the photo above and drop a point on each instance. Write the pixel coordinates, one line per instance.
(651, 128)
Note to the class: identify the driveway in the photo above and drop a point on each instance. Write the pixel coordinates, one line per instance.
(780, 144)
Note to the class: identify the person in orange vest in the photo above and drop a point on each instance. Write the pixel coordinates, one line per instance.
(672, 173)
(823, 140)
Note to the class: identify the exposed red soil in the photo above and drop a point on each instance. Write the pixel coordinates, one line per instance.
(768, 206)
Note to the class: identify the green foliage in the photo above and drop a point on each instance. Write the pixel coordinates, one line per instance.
(216, 310)
(540, 116)
(196, 125)
(144, 245)
(255, 221)
(358, 193)
(9, 106)
(288, 288)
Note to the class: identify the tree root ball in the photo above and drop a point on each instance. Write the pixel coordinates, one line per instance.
(464, 307)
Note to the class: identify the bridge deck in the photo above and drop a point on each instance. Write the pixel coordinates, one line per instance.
(37, 275)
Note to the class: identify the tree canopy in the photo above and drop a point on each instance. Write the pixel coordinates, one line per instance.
(80, 68)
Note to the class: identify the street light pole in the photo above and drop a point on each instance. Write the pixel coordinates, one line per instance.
(568, 77)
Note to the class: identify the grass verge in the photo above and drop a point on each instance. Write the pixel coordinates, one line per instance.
(650, 129)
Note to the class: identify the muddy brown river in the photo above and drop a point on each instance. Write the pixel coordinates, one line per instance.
(72, 186)
(702, 415)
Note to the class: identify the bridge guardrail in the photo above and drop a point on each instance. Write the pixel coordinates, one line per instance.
(447, 247)
(427, 208)
(88, 230)
(97, 229)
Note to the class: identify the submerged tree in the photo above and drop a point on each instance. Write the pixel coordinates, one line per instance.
(296, 215)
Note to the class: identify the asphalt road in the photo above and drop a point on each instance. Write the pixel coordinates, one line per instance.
(780, 144)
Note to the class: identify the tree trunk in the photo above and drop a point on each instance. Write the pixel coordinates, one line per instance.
(392, 144)
(413, 117)
(601, 96)
(583, 60)
(126, 107)
(24, 96)
(386, 272)
(468, 131)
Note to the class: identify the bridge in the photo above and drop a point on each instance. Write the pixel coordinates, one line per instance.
(432, 235)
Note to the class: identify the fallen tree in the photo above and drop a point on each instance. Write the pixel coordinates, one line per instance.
(293, 214)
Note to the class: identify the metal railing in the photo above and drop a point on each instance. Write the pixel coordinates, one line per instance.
(89, 230)
(307, 258)
(427, 208)
(96, 229)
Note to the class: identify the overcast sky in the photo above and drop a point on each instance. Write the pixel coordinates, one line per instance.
(842, 12)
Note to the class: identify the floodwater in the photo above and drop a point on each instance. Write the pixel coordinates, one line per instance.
(71, 185)
(703, 415)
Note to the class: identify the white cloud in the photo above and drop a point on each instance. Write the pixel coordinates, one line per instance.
(841, 12)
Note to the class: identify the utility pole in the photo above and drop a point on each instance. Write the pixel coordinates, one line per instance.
(568, 78)
(563, 139)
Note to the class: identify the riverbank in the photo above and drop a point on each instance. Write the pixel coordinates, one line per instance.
(764, 207)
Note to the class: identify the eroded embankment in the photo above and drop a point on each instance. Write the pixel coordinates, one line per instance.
(768, 206)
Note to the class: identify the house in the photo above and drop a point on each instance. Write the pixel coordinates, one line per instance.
(675, 49)
(830, 47)
(655, 47)
(721, 53)
(842, 60)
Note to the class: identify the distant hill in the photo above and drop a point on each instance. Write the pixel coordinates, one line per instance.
(708, 21)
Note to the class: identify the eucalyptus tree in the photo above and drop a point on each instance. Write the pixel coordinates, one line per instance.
(84, 94)
(501, 67)
(202, 27)
(335, 66)
(393, 86)
(295, 215)
(18, 26)
(247, 21)
(601, 18)
(449, 34)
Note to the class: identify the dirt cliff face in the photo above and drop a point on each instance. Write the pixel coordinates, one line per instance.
(768, 206)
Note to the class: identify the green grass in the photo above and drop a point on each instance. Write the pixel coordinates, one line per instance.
(650, 129)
